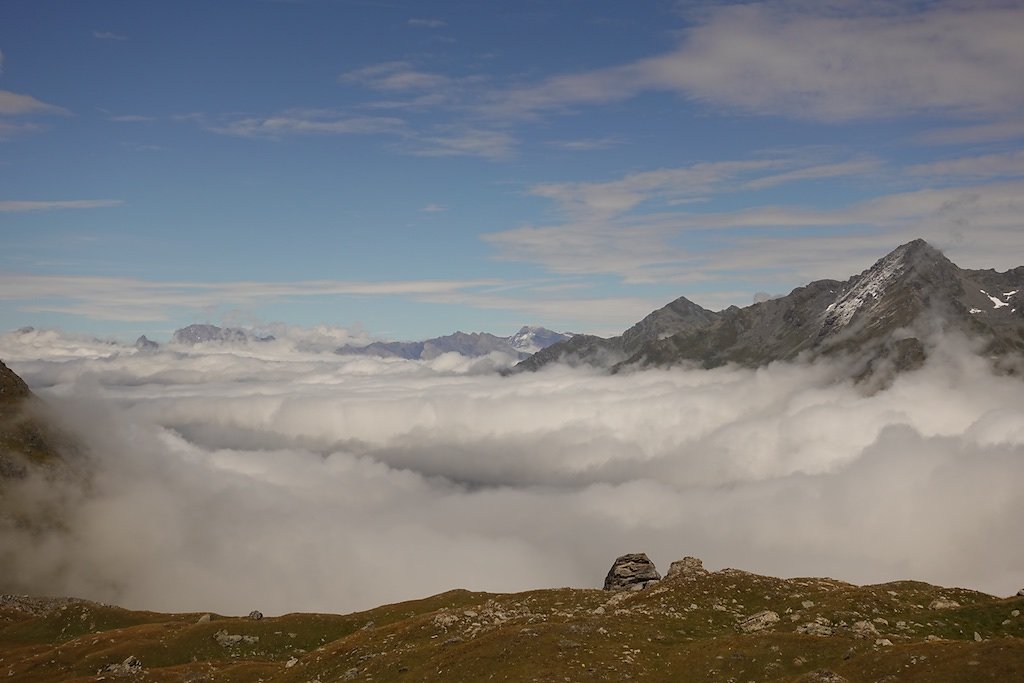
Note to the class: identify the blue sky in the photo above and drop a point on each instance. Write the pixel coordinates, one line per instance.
(413, 168)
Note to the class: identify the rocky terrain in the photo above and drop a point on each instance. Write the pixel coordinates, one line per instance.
(693, 625)
(526, 341)
(880, 317)
(26, 437)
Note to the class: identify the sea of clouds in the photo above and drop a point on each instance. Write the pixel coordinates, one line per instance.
(283, 477)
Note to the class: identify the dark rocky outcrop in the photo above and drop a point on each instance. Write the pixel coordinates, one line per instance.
(631, 572)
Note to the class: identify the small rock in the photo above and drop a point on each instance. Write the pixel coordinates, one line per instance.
(758, 622)
(633, 572)
(932, 638)
(205, 619)
(943, 603)
(291, 662)
(225, 639)
(864, 629)
(807, 604)
(824, 676)
(883, 642)
(128, 667)
(255, 615)
(977, 637)
(1015, 613)
(1020, 593)
(598, 610)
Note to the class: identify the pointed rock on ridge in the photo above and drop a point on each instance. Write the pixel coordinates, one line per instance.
(686, 568)
(631, 572)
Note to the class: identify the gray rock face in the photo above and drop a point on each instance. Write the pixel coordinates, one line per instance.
(686, 568)
(145, 344)
(758, 622)
(631, 572)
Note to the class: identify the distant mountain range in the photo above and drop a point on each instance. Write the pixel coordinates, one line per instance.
(880, 316)
(526, 341)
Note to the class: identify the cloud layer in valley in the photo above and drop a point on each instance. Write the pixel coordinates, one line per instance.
(283, 477)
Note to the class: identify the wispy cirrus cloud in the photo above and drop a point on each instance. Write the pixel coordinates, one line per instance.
(16, 104)
(24, 205)
(299, 122)
(833, 62)
(986, 166)
(983, 132)
(427, 23)
(585, 144)
(767, 246)
(119, 298)
(451, 141)
(108, 35)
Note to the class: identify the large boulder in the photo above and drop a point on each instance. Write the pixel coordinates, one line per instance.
(686, 568)
(631, 572)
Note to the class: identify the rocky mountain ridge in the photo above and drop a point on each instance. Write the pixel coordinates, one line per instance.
(523, 343)
(880, 315)
(692, 625)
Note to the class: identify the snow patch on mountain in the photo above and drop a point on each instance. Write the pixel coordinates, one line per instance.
(996, 301)
(871, 286)
(532, 339)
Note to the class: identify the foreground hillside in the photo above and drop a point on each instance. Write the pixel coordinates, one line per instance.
(727, 625)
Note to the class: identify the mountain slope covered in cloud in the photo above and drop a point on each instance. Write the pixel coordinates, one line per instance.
(881, 316)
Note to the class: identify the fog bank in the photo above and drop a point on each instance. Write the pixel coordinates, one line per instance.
(283, 477)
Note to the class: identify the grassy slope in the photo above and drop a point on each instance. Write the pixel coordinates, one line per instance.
(685, 629)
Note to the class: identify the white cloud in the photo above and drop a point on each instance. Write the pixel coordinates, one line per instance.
(282, 473)
(15, 104)
(833, 62)
(395, 76)
(115, 298)
(15, 205)
(765, 246)
(450, 141)
(301, 122)
(433, 208)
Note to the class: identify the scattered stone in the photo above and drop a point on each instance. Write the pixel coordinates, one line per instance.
(977, 637)
(225, 639)
(932, 638)
(1015, 613)
(864, 629)
(807, 604)
(824, 676)
(758, 622)
(205, 619)
(883, 642)
(598, 610)
(943, 603)
(632, 572)
(255, 615)
(686, 568)
(291, 662)
(129, 667)
(1020, 593)
(819, 627)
